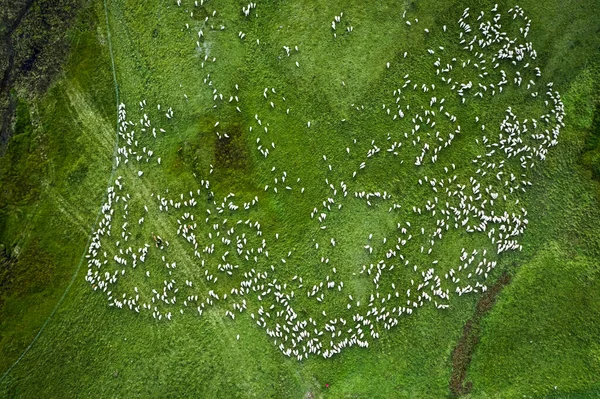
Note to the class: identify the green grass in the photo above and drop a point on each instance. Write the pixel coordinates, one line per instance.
(52, 182)
(530, 353)
(54, 178)
(541, 333)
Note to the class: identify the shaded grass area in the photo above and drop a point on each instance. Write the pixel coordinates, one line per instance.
(63, 155)
(590, 158)
(51, 185)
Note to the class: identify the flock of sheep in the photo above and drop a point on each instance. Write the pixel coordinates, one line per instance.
(169, 254)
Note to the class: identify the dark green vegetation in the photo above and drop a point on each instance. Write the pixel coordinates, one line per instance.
(542, 332)
(591, 150)
(33, 46)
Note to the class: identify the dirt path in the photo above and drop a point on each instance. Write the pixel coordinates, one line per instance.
(463, 352)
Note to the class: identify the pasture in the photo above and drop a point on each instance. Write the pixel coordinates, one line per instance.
(295, 199)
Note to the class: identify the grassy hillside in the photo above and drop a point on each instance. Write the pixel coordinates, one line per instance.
(542, 331)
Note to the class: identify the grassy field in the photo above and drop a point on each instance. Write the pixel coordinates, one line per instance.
(540, 339)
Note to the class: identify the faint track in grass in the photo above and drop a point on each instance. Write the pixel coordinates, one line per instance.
(85, 112)
(227, 334)
(110, 179)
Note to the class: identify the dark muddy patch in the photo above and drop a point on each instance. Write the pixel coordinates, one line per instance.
(231, 153)
(233, 169)
(229, 156)
(463, 352)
